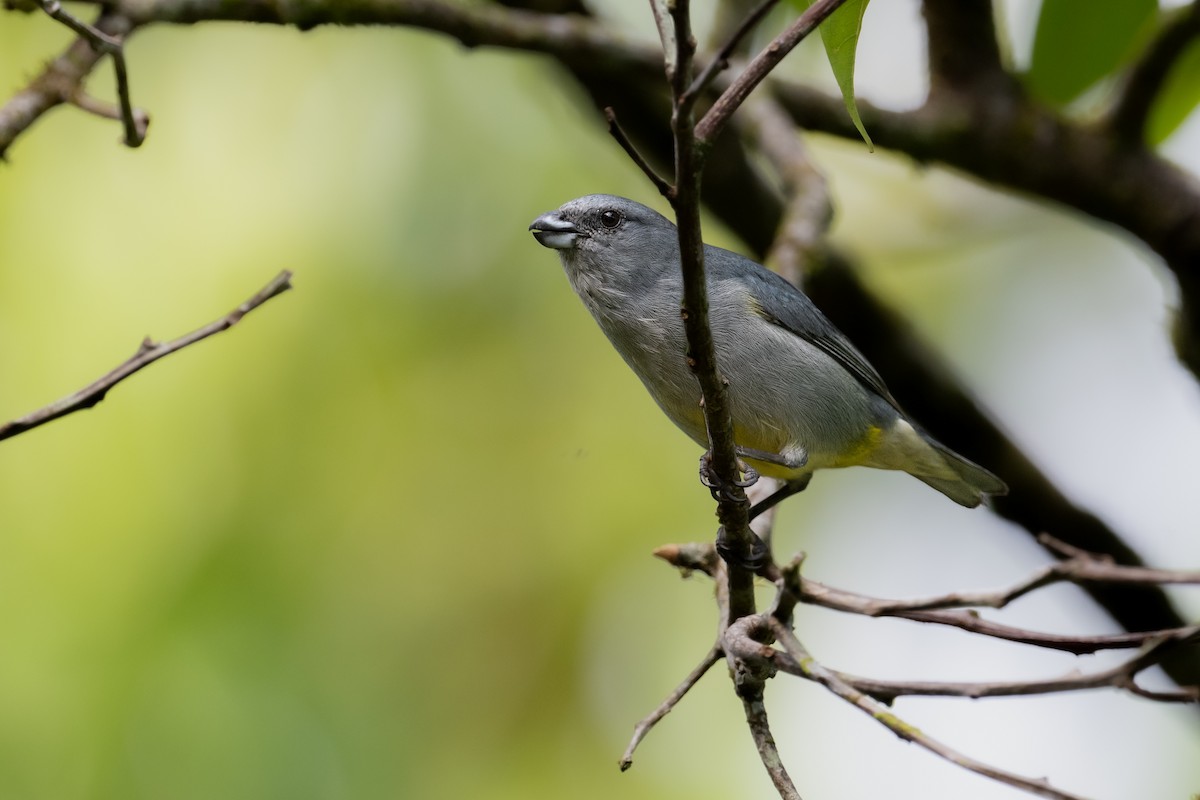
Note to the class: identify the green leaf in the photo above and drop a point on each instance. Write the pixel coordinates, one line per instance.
(1178, 98)
(839, 34)
(1078, 42)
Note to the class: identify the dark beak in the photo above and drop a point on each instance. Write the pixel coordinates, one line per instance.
(552, 231)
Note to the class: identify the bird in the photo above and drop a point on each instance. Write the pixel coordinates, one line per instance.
(802, 397)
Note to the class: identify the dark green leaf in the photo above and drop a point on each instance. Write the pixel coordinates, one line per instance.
(1078, 42)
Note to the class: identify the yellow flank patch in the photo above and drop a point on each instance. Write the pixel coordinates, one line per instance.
(755, 307)
(858, 451)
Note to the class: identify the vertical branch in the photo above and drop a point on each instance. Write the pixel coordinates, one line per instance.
(756, 719)
(733, 507)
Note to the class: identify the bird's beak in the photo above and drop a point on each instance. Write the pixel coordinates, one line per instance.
(554, 232)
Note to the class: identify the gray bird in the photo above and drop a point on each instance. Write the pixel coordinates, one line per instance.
(802, 397)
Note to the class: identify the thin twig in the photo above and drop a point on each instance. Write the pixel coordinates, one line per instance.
(1080, 567)
(720, 61)
(1121, 676)
(666, 26)
(135, 122)
(644, 727)
(793, 588)
(85, 102)
(1100, 567)
(764, 742)
(147, 354)
(1145, 80)
(618, 133)
(811, 669)
(714, 120)
(98, 38)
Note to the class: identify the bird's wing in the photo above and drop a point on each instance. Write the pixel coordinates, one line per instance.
(782, 304)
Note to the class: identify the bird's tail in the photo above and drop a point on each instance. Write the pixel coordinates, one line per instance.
(971, 483)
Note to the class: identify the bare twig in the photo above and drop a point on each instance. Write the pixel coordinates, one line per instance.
(572, 40)
(764, 742)
(1083, 565)
(666, 35)
(720, 61)
(644, 727)
(85, 102)
(758, 69)
(618, 133)
(700, 556)
(148, 352)
(1121, 676)
(1080, 568)
(135, 122)
(810, 668)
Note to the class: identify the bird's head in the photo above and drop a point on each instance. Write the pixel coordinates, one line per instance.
(608, 238)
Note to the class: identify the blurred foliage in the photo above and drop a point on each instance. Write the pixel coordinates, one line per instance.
(1075, 46)
(390, 536)
(1180, 94)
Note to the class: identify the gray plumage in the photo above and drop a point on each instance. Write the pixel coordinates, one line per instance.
(803, 398)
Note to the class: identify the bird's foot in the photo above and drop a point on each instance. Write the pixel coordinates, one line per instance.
(795, 459)
(749, 475)
(752, 557)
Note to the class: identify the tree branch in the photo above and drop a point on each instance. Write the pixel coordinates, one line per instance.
(1121, 676)
(1127, 118)
(60, 82)
(147, 353)
(760, 67)
(647, 724)
(764, 742)
(810, 668)
(720, 61)
(135, 122)
(964, 53)
(573, 40)
(795, 588)
(1027, 148)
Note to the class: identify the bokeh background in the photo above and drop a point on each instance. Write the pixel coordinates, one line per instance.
(390, 537)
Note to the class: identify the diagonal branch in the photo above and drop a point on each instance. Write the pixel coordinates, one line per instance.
(720, 61)
(809, 668)
(759, 68)
(795, 588)
(60, 82)
(1122, 676)
(665, 707)
(575, 41)
(147, 354)
(764, 742)
(135, 122)
(1127, 118)
(618, 133)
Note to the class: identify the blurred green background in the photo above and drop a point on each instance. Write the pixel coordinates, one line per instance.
(390, 536)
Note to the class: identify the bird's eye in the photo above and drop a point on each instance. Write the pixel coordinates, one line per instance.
(610, 218)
